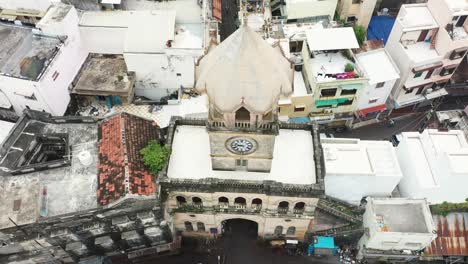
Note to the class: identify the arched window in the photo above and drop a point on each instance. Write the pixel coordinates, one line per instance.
(257, 204)
(181, 201)
(291, 231)
(200, 227)
(197, 202)
(188, 226)
(283, 207)
(223, 200)
(243, 114)
(299, 208)
(278, 230)
(240, 200)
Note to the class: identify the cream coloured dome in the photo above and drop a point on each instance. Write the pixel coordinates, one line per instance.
(244, 70)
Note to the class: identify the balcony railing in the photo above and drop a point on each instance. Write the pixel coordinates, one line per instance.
(242, 124)
(197, 205)
(181, 205)
(223, 205)
(256, 207)
(240, 206)
(298, 210)
(283, 210)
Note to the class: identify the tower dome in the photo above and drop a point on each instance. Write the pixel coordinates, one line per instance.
(244, 71)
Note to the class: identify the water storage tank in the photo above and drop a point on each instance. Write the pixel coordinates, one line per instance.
(85, 158)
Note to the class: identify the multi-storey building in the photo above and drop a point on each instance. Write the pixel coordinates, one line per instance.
(242, 163)
(396, 229)
(382, 72)
(356, 11)
(38, 64)
(434, 165)
(303, 10)
(331, 75)
(359, 168)
(427, 42)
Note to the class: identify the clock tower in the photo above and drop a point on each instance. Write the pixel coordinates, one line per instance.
(244, 77)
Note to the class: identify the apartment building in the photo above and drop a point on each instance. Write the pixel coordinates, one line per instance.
(38, 64)
(427, 42)
(356, 11)
(331, 75)
(382, 72)
(303, 10)
(396, 229)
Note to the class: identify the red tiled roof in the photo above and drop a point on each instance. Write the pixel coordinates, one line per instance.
(121, 137)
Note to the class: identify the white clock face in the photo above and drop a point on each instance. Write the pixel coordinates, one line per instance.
(241, 145)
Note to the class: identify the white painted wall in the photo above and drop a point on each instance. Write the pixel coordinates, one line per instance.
(103, 40)
(40, 5)
(51, 95)
(157, 74)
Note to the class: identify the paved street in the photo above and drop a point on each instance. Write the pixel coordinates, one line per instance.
(382, 131)
(239, 246)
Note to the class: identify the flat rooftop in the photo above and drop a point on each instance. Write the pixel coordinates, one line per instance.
(331, 39)
(293, 158)
(330, 66)
(54, 190)
(457, 5)
(104, 75)
(428, 147)
(416, 16)
(187, 11)
(299, 84)
(359, 157)
(401, 215)
(24, 54)
(422, 52)
(378, 66)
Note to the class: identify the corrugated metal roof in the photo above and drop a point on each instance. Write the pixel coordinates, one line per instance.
(452, 236)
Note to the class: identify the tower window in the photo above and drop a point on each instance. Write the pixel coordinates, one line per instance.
(243, 114)
(241, 163)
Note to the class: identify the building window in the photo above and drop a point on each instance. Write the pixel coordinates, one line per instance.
(348, 91)
(328, 92)
(447, 71)
(278, 231)
(200, 227)
(420, 90)
(351, 19)
(16, 205)
(188, 226)
(181, 201)
(241, 163)
(179, 74)
(348, 102)
(291, 231)
(257, 204)
(197, 202)
(299, 108)
(457, 54)
(380, 85)
(223, 200)
(418, 74)
(299, 208)
(283, 207)
(371, 101)
(240, 203)
(357, 1)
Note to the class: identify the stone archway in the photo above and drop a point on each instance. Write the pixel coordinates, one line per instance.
(240, 226)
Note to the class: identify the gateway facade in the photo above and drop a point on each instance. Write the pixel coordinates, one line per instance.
(242, 163)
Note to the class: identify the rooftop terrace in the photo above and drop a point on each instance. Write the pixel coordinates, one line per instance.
(53, 184)
(104, 75)
(416, 16)
(293, 158)
(401, 215)
(24, 54)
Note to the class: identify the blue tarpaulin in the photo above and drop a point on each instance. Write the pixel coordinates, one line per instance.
(299, 120)
(380, 28)
(322, 246)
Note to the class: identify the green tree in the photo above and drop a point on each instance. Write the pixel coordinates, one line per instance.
(155, 156)
(360, 33)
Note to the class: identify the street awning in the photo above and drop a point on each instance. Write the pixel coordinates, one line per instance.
(353, 86)
(330, 102)
(377, 108)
